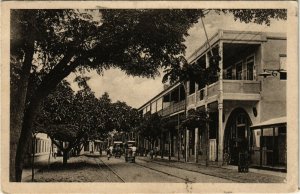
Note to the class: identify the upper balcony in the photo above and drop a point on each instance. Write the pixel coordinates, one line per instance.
(172, 108)
(232, 90)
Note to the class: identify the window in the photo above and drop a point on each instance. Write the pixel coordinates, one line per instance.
(228, 73)
(282, 62)
(239, 71)
(159, 104)
(250, 68)
(153, 107)
(192, 87)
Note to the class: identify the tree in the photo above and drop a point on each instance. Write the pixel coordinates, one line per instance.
(151, 127)
(67, 118)
(63, 41)
(125, 117)
(55, 43)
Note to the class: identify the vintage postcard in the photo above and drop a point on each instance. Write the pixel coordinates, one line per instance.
(149, 96)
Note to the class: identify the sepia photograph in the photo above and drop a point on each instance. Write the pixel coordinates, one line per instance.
(201, 97)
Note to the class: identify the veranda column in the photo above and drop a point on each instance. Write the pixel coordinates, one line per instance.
(220, 107)
(187, 144)
(206, 133)
(169, 145)
(196, 144)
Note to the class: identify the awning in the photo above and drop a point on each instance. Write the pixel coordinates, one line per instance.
(270, 123)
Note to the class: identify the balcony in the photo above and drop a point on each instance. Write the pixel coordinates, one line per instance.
(232, 90)
(173, 108)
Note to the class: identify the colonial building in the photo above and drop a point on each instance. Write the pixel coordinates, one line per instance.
(41, 143)
(247, 102)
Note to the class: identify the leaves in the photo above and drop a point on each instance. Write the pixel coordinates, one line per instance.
(195, 118)
(258, 16)
(72, 117)
(151, 126)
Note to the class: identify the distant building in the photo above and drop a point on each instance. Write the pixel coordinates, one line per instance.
(245, 103)
(42, 149)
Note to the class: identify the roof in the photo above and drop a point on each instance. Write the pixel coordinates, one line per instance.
(159, 94)
(270, 123)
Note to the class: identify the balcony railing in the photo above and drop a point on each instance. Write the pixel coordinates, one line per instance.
(191, 99)
(231, 88)
(213, 89)
(241, 86)
(173, 108)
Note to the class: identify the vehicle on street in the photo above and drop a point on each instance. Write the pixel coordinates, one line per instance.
(117, 149)
(130, 151)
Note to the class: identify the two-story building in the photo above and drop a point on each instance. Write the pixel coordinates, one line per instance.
(246, 103)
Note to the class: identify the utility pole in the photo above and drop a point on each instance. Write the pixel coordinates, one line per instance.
(178, 140)
(169, 145)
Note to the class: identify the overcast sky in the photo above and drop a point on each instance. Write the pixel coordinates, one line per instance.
(135, 91)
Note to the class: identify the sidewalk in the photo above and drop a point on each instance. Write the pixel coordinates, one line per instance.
(228, 172)
(27, 172)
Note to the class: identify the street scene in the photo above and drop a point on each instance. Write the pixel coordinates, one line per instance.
(148, 96)
(95, 168)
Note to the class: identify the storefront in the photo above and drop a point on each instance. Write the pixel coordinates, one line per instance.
(268, 145)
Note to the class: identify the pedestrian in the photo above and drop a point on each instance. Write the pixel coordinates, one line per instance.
(183, 150)
(55, 152)
(108, 153)
(155, 151)
(151, 153)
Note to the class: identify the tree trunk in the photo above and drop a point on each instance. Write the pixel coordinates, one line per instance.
(17, 107)
(32, 110)
(29, 116)
(65, 157)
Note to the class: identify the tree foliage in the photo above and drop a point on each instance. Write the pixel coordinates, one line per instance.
(151, 127)
(195, 118)
(73, 118)
(258, 16)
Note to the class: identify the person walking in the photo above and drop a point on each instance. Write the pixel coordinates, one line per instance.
(54, 152)
(108, 152)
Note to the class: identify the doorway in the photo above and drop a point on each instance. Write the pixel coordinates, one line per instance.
(237, 134)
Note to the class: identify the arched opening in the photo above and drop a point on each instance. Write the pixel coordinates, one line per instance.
(237, 134)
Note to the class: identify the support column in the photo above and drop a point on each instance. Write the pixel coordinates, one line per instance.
(196, 145)
(206, 132)
(186, 144)
(169, 145)
(220, 107)
(178, 139)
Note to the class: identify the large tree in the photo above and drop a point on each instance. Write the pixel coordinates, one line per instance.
(151, 127)
(68, 118)
(57, 42)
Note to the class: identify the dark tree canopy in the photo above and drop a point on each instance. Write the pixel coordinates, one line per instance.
(74, 118)
(258, 16)
(151, 127)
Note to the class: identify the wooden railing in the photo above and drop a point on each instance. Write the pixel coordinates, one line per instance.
(229, 86)
(174, 107)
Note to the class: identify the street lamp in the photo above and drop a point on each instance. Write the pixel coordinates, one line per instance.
(271, 72)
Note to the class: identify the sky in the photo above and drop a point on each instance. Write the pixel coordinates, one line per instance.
(136, 91)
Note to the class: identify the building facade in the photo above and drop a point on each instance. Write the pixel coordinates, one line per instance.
(42, 145)
(250, 91)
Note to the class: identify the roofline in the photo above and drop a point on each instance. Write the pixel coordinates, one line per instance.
(220, 32)
(145, 104)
